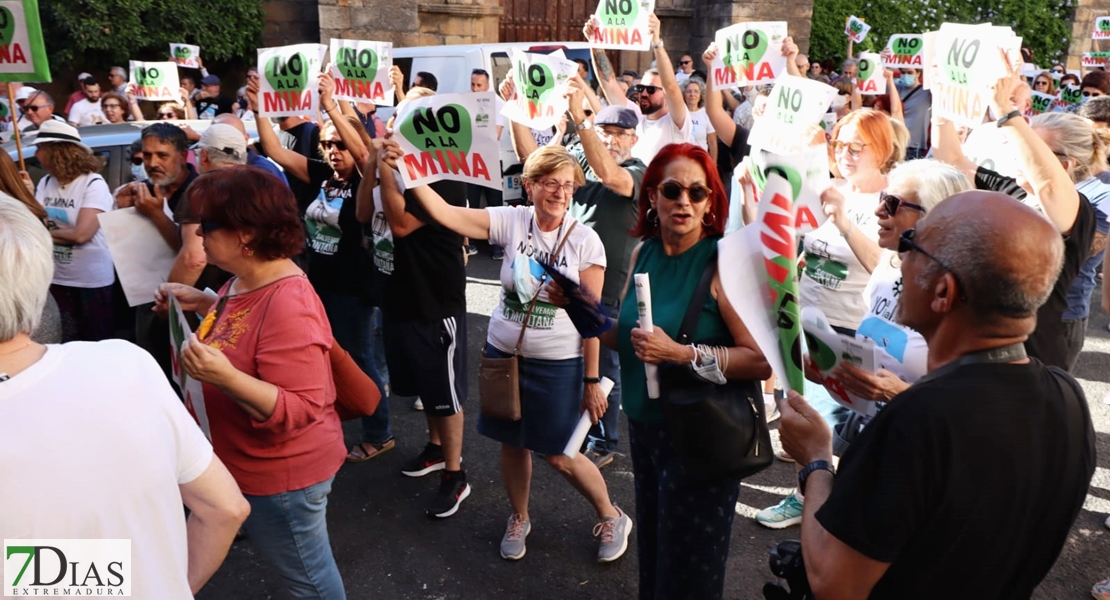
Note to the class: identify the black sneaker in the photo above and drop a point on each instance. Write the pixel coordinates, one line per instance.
(431, 459)
(453, 489)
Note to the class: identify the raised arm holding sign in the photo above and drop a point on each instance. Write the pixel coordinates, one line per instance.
(185, 55)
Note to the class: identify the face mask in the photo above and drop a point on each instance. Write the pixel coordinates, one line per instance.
(138, 172)
(909, 80)
(839, 102)
(523, 282)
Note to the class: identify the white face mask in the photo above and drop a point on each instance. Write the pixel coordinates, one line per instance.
(523, 281)
(839, 101)
(138, 172)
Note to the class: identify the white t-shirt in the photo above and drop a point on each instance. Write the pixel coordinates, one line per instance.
(551, 335)
(94, 444)
(834, 279)
(907, 353)
(87, 265)
(701, 128)
(84, 113)
(654, 134)
(380, 232)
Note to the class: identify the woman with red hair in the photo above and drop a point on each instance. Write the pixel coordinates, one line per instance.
(684, 522)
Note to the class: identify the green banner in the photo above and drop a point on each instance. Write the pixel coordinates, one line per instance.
(22, 51)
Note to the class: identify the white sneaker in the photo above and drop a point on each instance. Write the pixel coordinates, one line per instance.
(418, 404)
(770, 407)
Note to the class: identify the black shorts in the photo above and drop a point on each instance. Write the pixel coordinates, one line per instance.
(428, 359)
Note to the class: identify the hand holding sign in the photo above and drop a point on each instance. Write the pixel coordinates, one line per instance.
(362, 71)
(155, 80)
(449, 136)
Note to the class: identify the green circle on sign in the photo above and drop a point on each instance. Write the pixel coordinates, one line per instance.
(149, 76)
(619, 13)
(444, 128)
(7, 26)
(285, 75)
(359, 65)
(182, 52)
(539, 82)
(866, 69)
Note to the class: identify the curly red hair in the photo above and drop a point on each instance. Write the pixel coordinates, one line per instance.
(718, 200)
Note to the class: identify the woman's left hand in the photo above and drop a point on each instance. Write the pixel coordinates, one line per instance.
(881, 387)
(832, 201)
(657, 347)
(594, 401)
(205, 363)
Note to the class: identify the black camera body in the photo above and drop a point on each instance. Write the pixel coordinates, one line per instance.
(787, 564)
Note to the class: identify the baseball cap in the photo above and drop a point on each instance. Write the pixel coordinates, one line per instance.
(210, 80)
(225, 138)
(24, 93)
(620, 116)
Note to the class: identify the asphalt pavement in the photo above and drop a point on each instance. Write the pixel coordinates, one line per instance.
(387, 549)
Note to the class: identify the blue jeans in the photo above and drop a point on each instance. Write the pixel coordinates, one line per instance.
(352, 321)
(290, 530)
(379, 351)
(603, 436)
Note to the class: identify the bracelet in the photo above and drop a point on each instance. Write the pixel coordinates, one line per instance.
(588, 380)
(1010, 115)
(657, 45)
(327, 110)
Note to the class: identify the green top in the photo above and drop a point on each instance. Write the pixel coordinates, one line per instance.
(673, 280)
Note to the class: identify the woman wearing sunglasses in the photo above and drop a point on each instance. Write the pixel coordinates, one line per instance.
(684, 523)
(1044, 83)
(558, 369)
(262, 355)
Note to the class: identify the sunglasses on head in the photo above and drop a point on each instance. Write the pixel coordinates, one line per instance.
(329, 144)
(906, 244)
(854, 148)
(671, 190)
(892, 203)
(650, 89)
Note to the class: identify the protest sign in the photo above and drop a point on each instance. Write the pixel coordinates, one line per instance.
(779, 240)
(361, 71)
(622, 24)
(990, 148)
(906, 50)
(1102, 29)
(290, 77)
(449, 136)
(796, 104)
(828, 349)
(808, 174)
(969, 66)
(185, 55)
(191, 390)
(928, 58)
(749, 54)
(1042, 103)
(156, 81)
(872, 76)
(1068, 95)
(22, 52)
(1095, 60)
(856, 29)
(541, 82)
(140, 254)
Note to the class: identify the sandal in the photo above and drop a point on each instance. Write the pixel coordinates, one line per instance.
(366, 450)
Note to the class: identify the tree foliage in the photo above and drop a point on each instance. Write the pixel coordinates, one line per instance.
(113, 31)
(1044, 25)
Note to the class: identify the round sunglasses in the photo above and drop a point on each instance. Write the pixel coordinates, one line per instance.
(671, 190)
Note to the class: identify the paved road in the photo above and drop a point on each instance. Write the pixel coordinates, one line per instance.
(387, 549)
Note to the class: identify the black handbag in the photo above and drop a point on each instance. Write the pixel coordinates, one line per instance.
(719, 430)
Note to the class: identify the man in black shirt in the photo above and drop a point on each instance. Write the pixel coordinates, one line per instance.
(209, 102)
(967, 483)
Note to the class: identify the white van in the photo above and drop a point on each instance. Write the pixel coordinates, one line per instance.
(452, 67)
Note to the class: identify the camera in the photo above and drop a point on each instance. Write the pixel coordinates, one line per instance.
(787, 564)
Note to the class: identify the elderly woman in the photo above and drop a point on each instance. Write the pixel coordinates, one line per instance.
(262, 354)
(693, 92)
(684, 522)
(558, 369)
(74, 193)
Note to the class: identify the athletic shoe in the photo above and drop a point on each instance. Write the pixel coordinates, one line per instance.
(1101, 590)
(600, 460)
(613, 533)
(453, 489)
(512, 543)
(497, 253)
(782, 515)
(431, 459)
(418, 404)
(770, 407)
(471, 250)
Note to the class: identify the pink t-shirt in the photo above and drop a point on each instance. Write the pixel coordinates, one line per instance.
(280, 334)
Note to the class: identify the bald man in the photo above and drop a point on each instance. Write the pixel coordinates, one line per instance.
(254, 159)
(969, 481)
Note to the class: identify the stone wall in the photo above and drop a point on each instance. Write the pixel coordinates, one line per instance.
(290, 22)
(410, 22)
(1085, 14)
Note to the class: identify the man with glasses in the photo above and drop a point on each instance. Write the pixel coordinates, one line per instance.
(664, 118)
(903, 516)
(118, 78)
(685, 69)
(38, 110)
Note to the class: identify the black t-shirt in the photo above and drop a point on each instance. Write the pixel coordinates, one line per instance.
(210, 108)
(429, 279)
(739, 148)
(304, 139)
(336, 260)
(959, 483)
(1049, 341)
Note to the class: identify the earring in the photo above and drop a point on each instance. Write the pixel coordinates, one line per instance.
(248, 251)
(652, 216)
(711, 219)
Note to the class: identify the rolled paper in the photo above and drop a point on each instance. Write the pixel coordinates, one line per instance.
(643, 304)
(584, 422)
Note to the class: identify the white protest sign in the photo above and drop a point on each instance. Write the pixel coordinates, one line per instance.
(749, 54)
(990, 148)
(290, 75)
(872, 77)
(928, 58)
(622, 24)
(796, 104)
(1068, 95)
(1042, 103)
(806, 174)
(361, 71)
(829, 349)
(142, 258)
(1102, 29)
(539, 99)
(856, 29)
(1095, 60)
(191, 390)
(155, 80)
(969, 66)
(185, 55)
(449, 136)
(906, 50)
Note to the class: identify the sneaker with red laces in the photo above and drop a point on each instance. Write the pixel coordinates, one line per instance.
(429, 460)
(516, 531)
(453, 489)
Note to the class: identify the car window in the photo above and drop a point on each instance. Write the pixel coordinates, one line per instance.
(35, 170)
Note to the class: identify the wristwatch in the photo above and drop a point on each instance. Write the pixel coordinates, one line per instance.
(1010, 115)
(817, 465)
(656, 45)
(584, 125)
(588, 380)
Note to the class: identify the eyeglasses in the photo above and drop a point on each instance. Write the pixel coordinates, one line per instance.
(672, 190)
(329, 144)
(167, 115)
(136, 160)
(1039, 83)
(685, 62)
(1087, 94)
(906, 244)
(892, 203)
(553, 186)
(112, 105)
(609, 133)
(854, 148)
(649, 89)
(34, 107)
(207, 227)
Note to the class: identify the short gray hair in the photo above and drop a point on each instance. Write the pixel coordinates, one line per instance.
(934, 181)
(221, 158)
(122, 72)
(27, 262)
